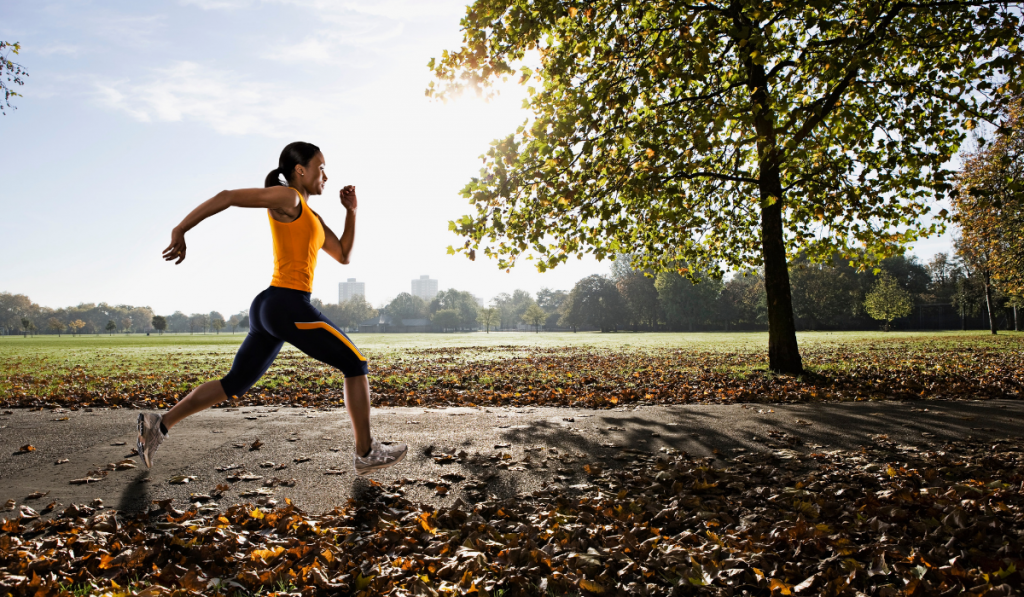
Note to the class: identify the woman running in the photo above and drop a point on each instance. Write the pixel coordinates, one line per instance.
(282, 313)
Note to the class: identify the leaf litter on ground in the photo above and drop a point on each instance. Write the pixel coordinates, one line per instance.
(889, 519)
(899, 367)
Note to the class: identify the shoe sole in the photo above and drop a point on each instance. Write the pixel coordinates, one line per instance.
(141, 447)
(368, 470)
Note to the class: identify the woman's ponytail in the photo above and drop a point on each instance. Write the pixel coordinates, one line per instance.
(294, 154)
(273, 179)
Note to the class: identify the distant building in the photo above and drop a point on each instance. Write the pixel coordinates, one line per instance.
(347, 290)
(479, 301)
(425, 288)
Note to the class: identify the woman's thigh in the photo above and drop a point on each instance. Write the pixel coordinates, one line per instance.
(306, 328)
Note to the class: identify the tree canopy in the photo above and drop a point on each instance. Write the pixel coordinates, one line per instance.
(989, 206)
(726, 133)
(11, 73)
(407, 306)
(594, 301)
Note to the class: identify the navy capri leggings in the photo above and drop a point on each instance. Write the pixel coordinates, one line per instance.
(280, 315)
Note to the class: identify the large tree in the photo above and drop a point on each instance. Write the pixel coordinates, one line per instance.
(888, 301)
(595, 302)
(989, 208)
(461, 302)
(407, 306)
(825, 294)
(743, 301)
(535, 316)
(687, 302)
(637, 289)
(488, 318)
(732, 132)
(551, 301)
(14, 307)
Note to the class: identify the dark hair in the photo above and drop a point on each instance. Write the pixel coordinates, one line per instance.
(293, 154)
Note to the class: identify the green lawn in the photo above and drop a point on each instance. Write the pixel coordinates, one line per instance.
(119, 353)
(715, 341)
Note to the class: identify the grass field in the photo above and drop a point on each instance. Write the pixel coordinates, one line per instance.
(96, 348)
(561, 368)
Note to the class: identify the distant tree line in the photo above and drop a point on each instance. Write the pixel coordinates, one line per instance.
(947, 292)
(200, 323)
(19, 315)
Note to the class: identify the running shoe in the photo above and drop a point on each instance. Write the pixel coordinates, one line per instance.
(150, 436)
(381, 456)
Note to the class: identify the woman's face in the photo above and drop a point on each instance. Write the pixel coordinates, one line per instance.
(313, 176)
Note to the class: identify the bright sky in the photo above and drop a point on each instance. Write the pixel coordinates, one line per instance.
(135, 112)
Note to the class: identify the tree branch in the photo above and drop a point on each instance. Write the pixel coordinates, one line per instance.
(828, 103)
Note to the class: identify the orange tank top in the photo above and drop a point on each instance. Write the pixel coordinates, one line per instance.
(296, 244)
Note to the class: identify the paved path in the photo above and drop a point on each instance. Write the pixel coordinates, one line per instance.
(545, 445)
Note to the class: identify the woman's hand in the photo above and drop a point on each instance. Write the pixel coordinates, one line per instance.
(177, 247)
(348, 198)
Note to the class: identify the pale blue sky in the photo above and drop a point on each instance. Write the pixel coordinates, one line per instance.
(137, 111)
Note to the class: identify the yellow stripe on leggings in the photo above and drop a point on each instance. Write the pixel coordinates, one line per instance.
(312, 325)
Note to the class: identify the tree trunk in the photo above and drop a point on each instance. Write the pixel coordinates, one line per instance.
(988, 304)
(783, 353)
(1016, 320)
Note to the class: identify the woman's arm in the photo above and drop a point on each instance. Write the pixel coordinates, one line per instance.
(340, 248)
(284, 199)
